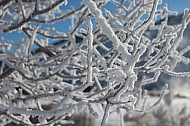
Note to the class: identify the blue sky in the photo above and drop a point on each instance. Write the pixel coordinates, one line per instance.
(177, 5)
(174, 5)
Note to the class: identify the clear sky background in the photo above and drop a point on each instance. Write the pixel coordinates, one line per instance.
(177, 5)
(174, 5)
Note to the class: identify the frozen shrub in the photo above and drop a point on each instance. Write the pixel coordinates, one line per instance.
(81, 119)
(162, 116)
(167, 113)
(100, 65)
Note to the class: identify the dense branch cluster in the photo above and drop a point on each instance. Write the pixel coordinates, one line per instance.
(101, 66)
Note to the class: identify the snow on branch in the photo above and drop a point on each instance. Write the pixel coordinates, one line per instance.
(101, 65)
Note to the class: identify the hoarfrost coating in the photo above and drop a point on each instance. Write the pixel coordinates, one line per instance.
(100, 66)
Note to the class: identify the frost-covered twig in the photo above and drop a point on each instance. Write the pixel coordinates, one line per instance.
(90, 50)
(106, 59)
